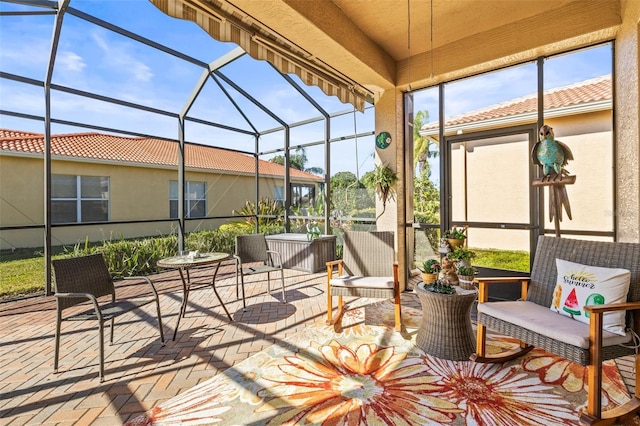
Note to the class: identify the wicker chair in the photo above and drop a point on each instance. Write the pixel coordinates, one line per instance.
(251, 249)
(85, 280)
(595, 346)
(367, 269)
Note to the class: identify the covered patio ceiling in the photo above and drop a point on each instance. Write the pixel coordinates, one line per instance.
(377, 45)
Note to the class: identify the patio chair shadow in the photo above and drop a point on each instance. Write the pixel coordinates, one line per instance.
(262, 313)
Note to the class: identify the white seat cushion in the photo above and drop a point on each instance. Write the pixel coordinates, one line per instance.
(362, 282)
(541, 320)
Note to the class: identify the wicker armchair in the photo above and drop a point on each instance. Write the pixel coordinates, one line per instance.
(251, 249)
(368, 269)
(85, 280)
(546, 331)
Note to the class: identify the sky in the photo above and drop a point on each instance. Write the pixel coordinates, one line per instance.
(92, 58)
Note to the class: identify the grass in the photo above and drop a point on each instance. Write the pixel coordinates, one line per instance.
(502, 259)
(23, 276)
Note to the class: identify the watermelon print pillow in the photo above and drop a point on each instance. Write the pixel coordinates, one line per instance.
(580, 285)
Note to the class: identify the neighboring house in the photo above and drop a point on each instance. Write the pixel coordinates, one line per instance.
(490, 174)
(102, 184)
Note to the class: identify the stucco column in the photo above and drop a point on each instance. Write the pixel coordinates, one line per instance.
(389, 118)
(627, 110)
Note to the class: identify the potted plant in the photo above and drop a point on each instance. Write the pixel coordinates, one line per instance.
(465, 276)
(430, 270)
(462, 256)
(455, 237)
(441, 286)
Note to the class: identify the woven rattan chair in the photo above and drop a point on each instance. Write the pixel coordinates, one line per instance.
(85, 280)
(252, 249)
(367, 269)
(519, 319)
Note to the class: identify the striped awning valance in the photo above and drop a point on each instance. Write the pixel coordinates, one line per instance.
(226, 23)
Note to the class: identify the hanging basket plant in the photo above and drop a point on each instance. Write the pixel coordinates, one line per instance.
(384, 178)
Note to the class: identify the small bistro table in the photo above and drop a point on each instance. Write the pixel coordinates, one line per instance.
(446, 331)
(183, 263)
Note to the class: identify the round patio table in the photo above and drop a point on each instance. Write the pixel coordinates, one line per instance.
(446, 331)
(183, 263)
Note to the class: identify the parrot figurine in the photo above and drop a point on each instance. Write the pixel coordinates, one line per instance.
(552, 156)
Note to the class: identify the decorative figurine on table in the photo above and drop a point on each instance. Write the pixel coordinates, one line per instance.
(444, 246)
(552, 155)
(448, 270)
(313, 231)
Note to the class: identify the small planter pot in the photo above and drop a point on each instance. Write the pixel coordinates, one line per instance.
(455, 243)
(466, 282)
(428, 278)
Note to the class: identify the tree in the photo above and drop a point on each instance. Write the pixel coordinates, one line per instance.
(344, 180)
(298, 161)
(421, 145)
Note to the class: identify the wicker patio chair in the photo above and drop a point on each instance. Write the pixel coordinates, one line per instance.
(367, 269)
(85, 280)
(252, 249)
(531, 320)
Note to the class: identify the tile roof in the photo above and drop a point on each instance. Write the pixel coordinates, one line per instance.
(143, 151)
(581, 93)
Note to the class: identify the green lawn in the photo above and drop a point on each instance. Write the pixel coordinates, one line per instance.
(21, 276)
(502, 259)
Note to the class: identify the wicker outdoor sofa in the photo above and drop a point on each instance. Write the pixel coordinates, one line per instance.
(531, 320)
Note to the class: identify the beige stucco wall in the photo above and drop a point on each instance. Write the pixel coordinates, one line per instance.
(627, 95)
(136, 193)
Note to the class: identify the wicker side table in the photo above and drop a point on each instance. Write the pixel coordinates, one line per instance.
(445, 331)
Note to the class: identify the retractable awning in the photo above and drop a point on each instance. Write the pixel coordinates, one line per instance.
(226, 23)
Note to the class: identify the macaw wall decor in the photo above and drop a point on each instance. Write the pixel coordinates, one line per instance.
(383, 140)
(552, 156)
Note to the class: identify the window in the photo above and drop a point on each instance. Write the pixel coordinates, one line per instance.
(302, 195)
(79, 199)
(194, 199)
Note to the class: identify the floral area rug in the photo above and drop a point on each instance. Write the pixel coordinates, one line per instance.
(372, 375)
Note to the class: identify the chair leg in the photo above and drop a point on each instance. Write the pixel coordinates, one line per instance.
(284, 299)
(329, 305)
(111, 331)
(56, 351)
(269, 282)
(398, 313)
(101, 348)
(337, 321)
(244, 303)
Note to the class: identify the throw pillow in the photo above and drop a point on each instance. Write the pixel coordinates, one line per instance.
(579, 285)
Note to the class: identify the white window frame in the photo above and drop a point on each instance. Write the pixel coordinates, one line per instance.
(187, 198)
(78, 199)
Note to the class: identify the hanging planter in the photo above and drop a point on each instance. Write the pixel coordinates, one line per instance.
(383, 178)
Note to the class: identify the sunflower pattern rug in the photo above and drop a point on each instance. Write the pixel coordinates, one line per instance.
(372, 375)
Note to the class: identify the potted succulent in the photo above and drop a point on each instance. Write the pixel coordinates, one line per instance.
(455, 237)
(442, 286)
(430, 270)
(462, 256)
(465, 276)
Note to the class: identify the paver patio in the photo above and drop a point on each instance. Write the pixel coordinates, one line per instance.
(139, 371)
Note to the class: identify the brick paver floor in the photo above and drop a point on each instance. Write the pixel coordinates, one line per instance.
(140, 372)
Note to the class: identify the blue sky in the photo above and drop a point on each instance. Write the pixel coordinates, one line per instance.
(92, 58)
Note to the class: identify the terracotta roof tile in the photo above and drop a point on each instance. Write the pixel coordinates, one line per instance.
(148, 151)
(584, 92)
